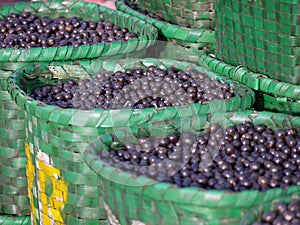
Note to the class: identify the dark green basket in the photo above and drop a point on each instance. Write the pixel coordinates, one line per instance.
(147, 34)
(272, 94)
(257, 213)
(129, 198)
(181, 35)
(11, 220)
(263, 35)
(55, 135)
(196, 14)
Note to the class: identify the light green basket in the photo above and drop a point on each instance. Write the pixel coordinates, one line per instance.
(131, 199)
(55, 136)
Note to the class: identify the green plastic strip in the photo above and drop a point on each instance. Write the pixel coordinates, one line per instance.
(11, 220)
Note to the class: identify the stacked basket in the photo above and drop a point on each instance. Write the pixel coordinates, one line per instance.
(52, 153)
(183, 42)
(14, 189)
(258, 45)
(195, 14)
(130, 199)
(56, 136)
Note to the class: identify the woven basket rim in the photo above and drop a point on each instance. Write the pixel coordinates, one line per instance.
(100, 167)
(195, 34)
(245, 76)
(63, 52)
(24, 101)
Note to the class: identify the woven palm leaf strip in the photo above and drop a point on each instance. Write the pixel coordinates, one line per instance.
(56, 136)
(147, 34)
(129, 198)
(275, 95)
(180, 35)
(257, 213)
(261, 35)
(14, 220)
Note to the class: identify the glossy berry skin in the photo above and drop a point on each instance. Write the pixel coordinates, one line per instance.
(217, 160)
(136, 88)
(27, 30)
(282, 213)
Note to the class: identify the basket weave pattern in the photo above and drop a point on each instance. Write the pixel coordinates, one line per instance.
(13, 185)
(182, 35)
(261, 35)
(196, 14)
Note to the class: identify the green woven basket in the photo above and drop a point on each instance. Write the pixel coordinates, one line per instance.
(196, 14)
(13, 181)
(272, 94)
(147, 34)
(11, 220)
(181, 35)
(261, 35)
(257, 213)
(55, 136)
(130, 199)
